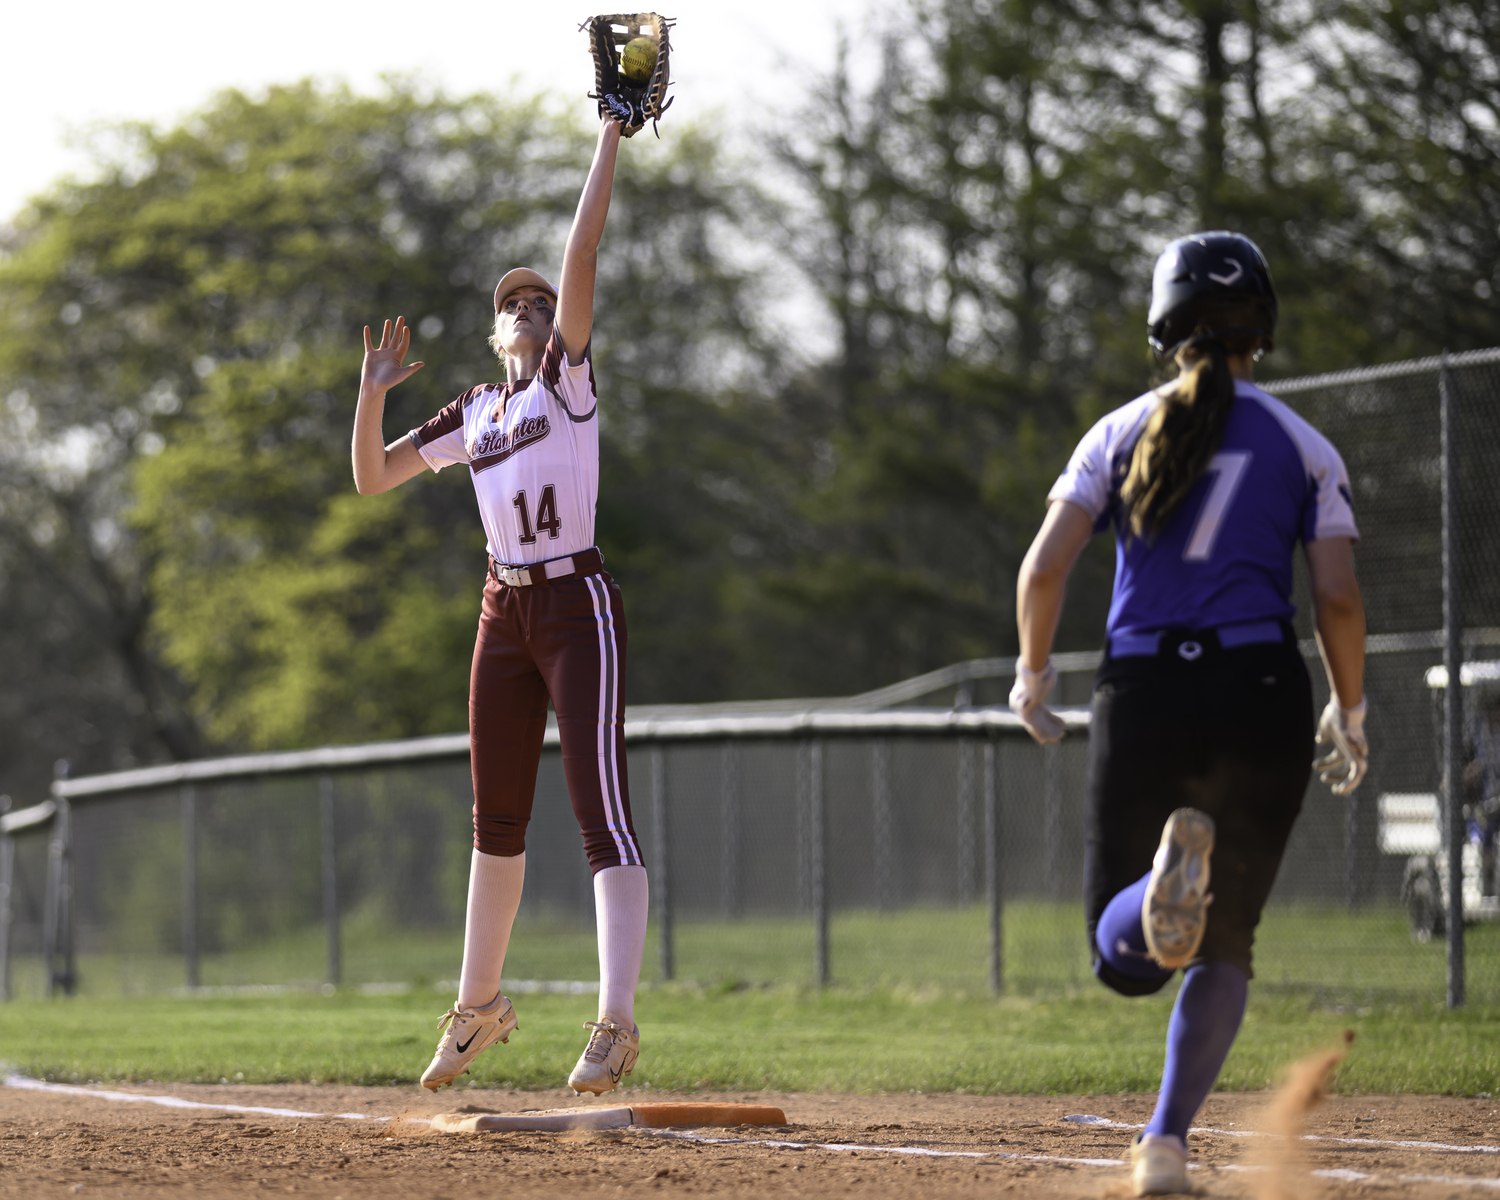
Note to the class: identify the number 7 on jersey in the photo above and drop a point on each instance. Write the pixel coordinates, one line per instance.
(1228, 469)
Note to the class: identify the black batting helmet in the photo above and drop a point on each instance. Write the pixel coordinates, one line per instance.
(1211, 284)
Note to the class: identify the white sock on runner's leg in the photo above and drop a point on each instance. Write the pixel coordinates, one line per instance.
(621, 902)
(494, 895)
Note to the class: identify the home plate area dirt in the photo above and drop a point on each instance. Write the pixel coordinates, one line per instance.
(376, 1143)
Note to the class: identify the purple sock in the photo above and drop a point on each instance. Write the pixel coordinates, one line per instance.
(1121, 938)
(1210, 1006)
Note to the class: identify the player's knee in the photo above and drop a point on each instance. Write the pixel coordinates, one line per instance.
(504, 839)
(1121, 959)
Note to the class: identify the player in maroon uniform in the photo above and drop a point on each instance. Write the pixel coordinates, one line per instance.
(552, 627)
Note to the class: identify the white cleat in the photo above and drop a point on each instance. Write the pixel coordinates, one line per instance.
(467, 1032)
(607, 1059)
(1158, 1165)
(1174, 912)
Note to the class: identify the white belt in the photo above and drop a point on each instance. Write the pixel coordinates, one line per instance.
(583, 563)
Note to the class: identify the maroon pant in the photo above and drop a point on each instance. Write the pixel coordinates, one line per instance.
(564, 641)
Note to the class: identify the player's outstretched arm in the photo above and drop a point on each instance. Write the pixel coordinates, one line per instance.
(378, 467)
(575, 292)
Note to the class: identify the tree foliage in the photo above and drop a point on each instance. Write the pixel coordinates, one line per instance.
(981, 223)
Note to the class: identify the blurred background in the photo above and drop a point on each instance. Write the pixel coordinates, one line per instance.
(881, 270)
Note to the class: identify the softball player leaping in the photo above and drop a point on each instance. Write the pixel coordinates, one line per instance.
(552, 626)
(1202, 728)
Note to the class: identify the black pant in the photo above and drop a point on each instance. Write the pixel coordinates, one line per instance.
(1229, 732)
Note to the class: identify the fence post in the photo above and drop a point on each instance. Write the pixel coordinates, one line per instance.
(819, 863)
(189, 886)
(880, 797)
(804, 828)
(992, 864)
(661, 886)
(729, 823)
(967, 843)
(69, 924)
(50, 909)
(57, 931)
(1453, 727)
(7, 873)
(330, 880)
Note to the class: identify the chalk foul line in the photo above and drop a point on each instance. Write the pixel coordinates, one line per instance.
(24, 1082)
(1348, 1175)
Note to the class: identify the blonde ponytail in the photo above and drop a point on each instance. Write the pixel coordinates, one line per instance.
(1181, 437)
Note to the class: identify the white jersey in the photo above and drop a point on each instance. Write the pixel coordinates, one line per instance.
(533, 453)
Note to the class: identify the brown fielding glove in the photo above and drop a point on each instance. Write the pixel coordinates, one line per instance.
(631, 102)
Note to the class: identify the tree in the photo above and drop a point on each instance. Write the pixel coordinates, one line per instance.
(981, 220)
(958, 233)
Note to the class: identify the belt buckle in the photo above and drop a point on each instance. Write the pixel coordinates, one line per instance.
(515, 576)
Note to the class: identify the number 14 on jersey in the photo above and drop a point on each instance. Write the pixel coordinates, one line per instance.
(547, 521)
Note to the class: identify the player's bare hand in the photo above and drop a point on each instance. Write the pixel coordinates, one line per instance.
(385, 364)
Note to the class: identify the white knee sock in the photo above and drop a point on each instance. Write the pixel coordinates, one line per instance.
(494, 896)
(621, 902)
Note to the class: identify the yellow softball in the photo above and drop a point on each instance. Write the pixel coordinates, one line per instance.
(638, 59)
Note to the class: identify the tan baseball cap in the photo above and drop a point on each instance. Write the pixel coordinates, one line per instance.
(519, 277)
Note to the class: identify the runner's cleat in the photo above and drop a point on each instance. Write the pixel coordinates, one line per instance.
(469, 1030)
(607, 1059)
(1158, 1165)
(1174, 913)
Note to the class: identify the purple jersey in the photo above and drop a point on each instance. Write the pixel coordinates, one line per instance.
(1225, 556)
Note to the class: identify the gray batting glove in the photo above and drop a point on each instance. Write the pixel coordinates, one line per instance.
(1028, 701)
(1342, 730)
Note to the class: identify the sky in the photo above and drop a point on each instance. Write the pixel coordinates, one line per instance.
(70, 67)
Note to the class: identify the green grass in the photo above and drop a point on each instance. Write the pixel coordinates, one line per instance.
(1362, 957)
(784, 1038)
(909, 1008)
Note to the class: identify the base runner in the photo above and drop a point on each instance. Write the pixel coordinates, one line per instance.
(552, 627)
(1202, 727)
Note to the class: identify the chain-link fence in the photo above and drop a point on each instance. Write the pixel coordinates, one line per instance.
(1422, 443)
(911, 837)
(917, 846)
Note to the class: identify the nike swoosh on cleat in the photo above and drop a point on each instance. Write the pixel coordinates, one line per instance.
(463, 1047)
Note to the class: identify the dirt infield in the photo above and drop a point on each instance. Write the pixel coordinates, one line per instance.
(68, 1143)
